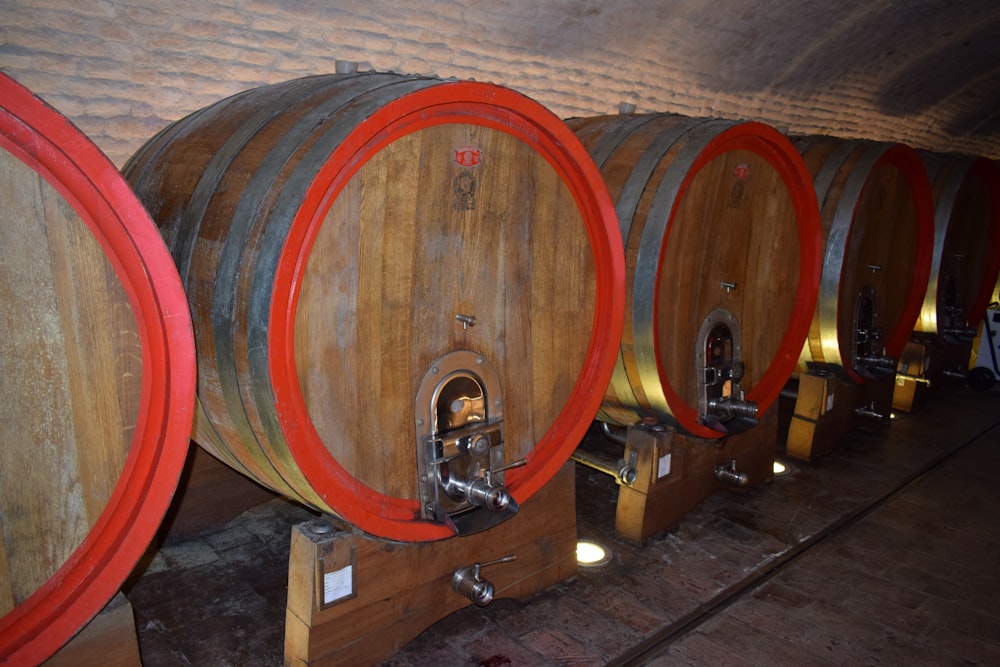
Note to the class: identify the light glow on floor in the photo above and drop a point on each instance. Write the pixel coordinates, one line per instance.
(591, 554)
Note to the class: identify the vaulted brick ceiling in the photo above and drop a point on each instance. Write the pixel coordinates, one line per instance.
(924, 72)
(879, 68)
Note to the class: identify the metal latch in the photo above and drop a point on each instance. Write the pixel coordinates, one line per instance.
(460, 445)
(870, 358)
(721, 402)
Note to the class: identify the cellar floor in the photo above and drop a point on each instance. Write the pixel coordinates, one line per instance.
(883, 552)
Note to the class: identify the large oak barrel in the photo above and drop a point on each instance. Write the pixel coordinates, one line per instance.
(97, 391)
(966, 253)
(721, 233)
(877, 218)
(397, 284)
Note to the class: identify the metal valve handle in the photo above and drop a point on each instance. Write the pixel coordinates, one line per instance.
(488, 474)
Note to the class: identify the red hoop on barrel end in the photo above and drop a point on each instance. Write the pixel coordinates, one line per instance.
(46, 143)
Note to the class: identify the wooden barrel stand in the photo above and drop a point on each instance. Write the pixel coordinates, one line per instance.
(929, 363)
(356, 600)
(675, 472)
(828, 406)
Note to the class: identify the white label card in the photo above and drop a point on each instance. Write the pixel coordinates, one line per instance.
(663, 469)
(338, 584)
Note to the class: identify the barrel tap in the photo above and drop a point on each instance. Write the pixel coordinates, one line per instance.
(466, 581)
(731, 474)
(481, 491)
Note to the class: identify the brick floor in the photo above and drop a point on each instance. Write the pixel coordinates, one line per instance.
(882, 553)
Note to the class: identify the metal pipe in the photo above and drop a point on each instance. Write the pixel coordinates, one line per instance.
(616, 435)
(965, 334)
(621, 471)
(869, 411)
(878, 363)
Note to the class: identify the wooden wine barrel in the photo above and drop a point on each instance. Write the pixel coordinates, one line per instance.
(966, 254)
(97, 396)
(721, 233)
(877, 218)
(348, 239)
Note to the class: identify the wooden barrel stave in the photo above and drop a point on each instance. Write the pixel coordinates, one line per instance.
(215, 158)
(330, 212)
(618, 147)
(252, 275)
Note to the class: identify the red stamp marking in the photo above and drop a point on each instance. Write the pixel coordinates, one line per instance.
(742, 171)
(468, 156)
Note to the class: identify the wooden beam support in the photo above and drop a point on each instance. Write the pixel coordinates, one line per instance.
(356, 600)
(676, 472)
(827, 408)
(928, 364)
